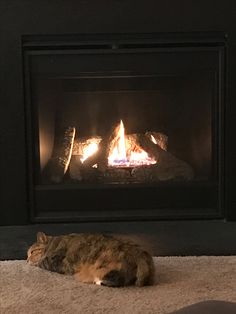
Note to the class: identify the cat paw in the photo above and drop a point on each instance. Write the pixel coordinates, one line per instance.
(97, 281)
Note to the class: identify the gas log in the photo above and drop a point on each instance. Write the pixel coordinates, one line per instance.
(75, 168)
(168, 167)
(73, 154)
(61, 156)
(106, 144)
(99, 158)
(158, 138)
(80, 144)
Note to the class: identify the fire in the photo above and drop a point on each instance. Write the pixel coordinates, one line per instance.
(121, 142)
(88, 151)
(120, 156)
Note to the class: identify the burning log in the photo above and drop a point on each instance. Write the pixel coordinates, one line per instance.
(61, 155)
(148, 146)
(75, 168)
(118, 158)
(158, 138)
(131, 140)
(105, 145)
(99, 157)
(117, 175)
(125, 150)
(168, 167)
(81, 144)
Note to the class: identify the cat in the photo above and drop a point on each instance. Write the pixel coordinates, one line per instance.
(93, 258)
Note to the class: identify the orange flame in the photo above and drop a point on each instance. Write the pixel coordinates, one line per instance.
(119, 157)
(89, 151)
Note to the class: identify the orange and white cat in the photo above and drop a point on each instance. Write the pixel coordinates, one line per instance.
(93, 258)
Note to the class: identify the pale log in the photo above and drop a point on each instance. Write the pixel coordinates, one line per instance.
(153, 150)
(61, 155)
(131, 141)
(99, 157)
(168, 167)
(117, 175)
(160, 138)
(75, 168)
(80, 144)
(102, 162)
(106, 145)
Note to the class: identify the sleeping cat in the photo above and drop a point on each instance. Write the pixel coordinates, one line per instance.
(93, 258)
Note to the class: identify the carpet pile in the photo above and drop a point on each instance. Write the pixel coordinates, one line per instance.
(179, 281)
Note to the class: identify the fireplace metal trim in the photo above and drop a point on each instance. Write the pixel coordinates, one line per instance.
(123, 43)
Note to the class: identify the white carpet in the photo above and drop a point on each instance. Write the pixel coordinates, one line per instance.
(180, 281)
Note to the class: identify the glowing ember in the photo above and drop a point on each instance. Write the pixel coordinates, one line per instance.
(119, 156)
(89, 151)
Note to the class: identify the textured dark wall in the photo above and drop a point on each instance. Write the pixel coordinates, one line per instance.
(23, 17)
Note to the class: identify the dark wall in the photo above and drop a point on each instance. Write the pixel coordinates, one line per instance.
(27, 17)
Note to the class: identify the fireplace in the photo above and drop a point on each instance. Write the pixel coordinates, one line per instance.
(125, 126)
(119, 118)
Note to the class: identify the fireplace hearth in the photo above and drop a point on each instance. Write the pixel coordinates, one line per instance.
(113, 114)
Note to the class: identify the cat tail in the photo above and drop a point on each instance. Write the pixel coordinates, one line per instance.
(145, 270)
(114, 278)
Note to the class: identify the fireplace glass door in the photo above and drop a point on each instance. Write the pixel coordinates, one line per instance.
(116, 120)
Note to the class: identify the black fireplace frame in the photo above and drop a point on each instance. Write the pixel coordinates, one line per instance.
(211, 234)
(181, 200)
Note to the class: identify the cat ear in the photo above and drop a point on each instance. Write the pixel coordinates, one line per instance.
(41, 237)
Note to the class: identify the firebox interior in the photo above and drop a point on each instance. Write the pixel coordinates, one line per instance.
(168, 97)
(179, 106)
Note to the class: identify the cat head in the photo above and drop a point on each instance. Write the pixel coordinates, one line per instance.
(37, 249)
